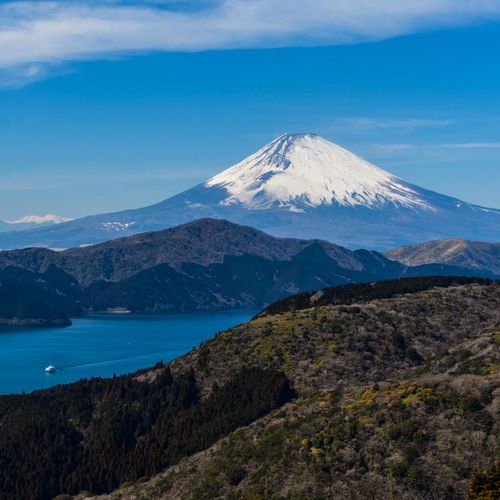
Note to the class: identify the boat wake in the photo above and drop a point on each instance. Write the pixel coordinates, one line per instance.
(112, 362)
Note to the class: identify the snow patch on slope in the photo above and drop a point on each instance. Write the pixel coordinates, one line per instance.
(117, 226)
(297, 171)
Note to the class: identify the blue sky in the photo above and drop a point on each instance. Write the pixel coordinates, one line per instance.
(105, 119)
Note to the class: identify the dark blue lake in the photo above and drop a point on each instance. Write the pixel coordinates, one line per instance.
(103, 345)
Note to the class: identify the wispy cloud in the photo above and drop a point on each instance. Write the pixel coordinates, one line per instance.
(397, 148)
(418, 154)
(392, 148)
(36, 35)
(471, 145)
(356, 124)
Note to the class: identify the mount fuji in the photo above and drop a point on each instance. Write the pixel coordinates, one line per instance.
(299, 185)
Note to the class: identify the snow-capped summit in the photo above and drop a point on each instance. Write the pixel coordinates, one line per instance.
(298, 185)
(297, 171)
(40, 219)
(31, 222)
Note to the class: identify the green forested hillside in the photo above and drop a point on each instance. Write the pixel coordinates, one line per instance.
(94, 435)
(420, 436)
(48, 298)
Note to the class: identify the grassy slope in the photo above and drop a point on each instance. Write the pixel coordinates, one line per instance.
(396, 399)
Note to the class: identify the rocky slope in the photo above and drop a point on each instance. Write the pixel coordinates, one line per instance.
(473, 255)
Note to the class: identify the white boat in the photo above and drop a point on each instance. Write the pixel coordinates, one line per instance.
(50, 369)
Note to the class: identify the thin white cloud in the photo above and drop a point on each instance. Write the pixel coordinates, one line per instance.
(398, 148)
(422, 154)
(471, 145)
(392, 148)
(37, 34)
(373, 123)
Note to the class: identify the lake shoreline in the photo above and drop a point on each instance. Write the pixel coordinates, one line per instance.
(35, 322)
(29, 323)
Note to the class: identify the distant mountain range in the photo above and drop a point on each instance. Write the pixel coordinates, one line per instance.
(206, 264)
(31, 221)
(299, 186)
(471, 255)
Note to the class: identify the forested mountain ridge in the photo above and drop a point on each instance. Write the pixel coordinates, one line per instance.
(382, 397)
(45, 299)
(202, 242)
(349, 339)
(431, 434)
(204, 265)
